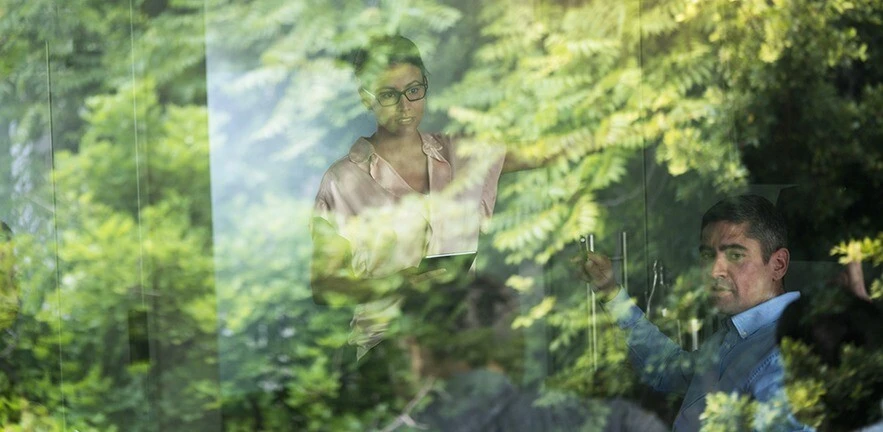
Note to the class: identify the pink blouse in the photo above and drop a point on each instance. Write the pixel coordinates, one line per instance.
(389, 225)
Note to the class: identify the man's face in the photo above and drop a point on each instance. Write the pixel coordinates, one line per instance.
(738, 278)
(405, 115)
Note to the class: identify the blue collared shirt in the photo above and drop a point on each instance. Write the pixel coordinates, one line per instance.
(742, 358)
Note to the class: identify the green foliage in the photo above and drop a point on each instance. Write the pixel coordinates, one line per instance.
(695, 85)
(728, 412)
(147, 271)
(865, 250)
(823, 395)
(9, 290)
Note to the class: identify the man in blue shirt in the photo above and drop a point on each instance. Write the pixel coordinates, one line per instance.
(743, 249)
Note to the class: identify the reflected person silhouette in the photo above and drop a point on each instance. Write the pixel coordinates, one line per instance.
(471, 348)
(399, 195)
(743, 251)
(832, 337)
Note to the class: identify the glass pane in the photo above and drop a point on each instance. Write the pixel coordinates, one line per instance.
(221, 221)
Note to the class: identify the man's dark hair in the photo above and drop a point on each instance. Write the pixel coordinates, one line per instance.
(383, 52)
(765, 223)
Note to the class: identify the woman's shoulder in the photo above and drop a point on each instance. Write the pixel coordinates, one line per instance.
(448, 141)
(352, 162)
(342, 171)
(449, 147)
(437, 139)
(441, 137)
(440, 142)
(339, 183)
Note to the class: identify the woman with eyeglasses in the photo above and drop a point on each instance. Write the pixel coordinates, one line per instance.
(399, 195)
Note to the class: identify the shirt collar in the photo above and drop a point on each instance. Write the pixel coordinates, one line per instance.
(750, 321)
(364, 155)
(362, 150)
(432, 147)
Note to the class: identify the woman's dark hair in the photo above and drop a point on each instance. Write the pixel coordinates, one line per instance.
(383, 52)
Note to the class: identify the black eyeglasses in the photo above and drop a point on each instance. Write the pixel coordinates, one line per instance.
(390, 97)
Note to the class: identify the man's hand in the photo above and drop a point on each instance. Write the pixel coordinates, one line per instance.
(598, 271)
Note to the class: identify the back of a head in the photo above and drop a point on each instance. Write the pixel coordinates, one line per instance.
(843, 345)
(469, 321)
(765, 223)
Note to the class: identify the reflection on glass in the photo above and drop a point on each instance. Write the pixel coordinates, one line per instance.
(156, 291)
(744, 257)
(833, 354)
(9, 288)
(399, 195)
